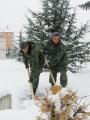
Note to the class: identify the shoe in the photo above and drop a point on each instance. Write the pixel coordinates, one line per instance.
(34, 91)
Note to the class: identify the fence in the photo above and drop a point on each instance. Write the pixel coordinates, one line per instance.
(6, 102)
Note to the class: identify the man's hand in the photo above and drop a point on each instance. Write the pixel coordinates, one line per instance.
(26, 66)
(45, 66)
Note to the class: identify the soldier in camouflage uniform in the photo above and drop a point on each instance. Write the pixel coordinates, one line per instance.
(55, 52)
(33, 57)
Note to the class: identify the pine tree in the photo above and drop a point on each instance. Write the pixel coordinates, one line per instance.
(20, 37)
(14, 52)
(85, 6)
(20, 40)
(57, 16)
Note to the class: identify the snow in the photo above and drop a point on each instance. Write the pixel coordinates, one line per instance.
(14, 81)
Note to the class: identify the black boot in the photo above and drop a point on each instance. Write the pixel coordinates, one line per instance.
(34, 91)
(63, 83)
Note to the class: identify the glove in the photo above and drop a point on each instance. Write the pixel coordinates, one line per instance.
(45, 66)
(30, 80)
(26, 66)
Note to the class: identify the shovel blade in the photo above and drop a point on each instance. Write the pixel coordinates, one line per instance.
(55, 89)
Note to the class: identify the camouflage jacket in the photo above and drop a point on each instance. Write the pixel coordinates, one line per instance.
(57, 55)
(34, 57)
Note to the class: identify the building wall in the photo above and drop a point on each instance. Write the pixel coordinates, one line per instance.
(6, 39)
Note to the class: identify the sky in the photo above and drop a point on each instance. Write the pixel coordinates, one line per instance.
(12, 13)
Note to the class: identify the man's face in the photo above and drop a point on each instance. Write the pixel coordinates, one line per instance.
(25, 50)
(56, 39)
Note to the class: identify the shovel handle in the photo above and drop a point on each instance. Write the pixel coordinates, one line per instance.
(52, 77)
(28, 71)
(31, 87)
(50, 71)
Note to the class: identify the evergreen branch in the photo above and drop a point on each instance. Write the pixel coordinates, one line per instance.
(85, 6)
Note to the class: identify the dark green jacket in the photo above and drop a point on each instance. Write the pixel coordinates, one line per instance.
(34, 58)
(57, 56)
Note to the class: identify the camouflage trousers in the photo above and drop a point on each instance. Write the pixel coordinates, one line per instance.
(63, 78)
(34, 77)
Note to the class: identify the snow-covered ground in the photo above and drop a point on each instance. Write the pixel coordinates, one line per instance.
(14, 80)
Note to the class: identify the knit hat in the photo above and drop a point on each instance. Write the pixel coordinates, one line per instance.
(55, 34)
(23, 45)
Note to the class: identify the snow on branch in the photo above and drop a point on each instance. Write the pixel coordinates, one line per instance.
(64, 105)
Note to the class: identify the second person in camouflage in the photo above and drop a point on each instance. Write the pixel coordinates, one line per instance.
(56, 54)
(33, 57)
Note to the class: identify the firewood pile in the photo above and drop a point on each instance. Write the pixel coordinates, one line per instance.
(62, 105)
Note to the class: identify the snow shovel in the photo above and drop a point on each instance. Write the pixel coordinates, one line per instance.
(34, 97)
(55, 88)
(31, 87)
